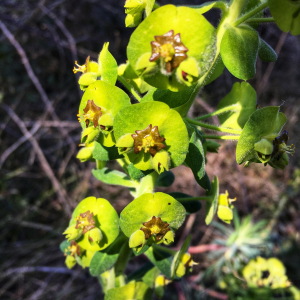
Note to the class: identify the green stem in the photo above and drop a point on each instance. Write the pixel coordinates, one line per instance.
(129, 88)
(213, 127)
(100, 164)
(218, 4)
(172, 252)
(260, 20)
(218, 112)
(202, 198)
(147, 184)
(250, 14)
(221, 137)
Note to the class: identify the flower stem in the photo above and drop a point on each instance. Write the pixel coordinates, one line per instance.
(218, 112)
(100, 164)
(129, 88)
(213, 127)
(250, 14)
(260, 20)
(202, 198)
(221, 137)
(172, 252)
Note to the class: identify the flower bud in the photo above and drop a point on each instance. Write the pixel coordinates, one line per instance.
(186, 264)
(72, 233)
(70, 261)
(264, 149)
(161, 161)
(169, 237)
(86, 153)
(137, 239)
(134, 6)
(133, 20)
(95, 235)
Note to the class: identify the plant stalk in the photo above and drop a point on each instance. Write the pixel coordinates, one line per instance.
(129, 88)
(213, 127)
(218, 112)
(250, 14)
(221, 137)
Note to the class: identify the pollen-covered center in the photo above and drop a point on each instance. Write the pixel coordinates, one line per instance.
(155, 227)
(92, 113)
(73, 249)
(170, 48)
(85, 221)
(83, 68)
(148, 140)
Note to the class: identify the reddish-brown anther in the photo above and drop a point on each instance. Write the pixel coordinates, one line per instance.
(170, 48)
(148, 139)
(85, 221)
(91, 113)
(155, 227)
(74, 249)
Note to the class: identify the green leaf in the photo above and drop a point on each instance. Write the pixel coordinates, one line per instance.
(195, 158)
(263, 122)
(161, 259)
(108, 66)
(239, 48)
(105, 153)
(107, 220)
(215, 72)
(243, 96)
(139, 273)
(150, 276)
(205, 182)
(266, 52)
(104, 260)
(196, 33)
(191, 206)
(212, 205)
(137, 174)
(143, 208)
(64, 245)
(149, 7)
(165, 179)
(286, 14)
(176, 260)
(130, 291)
(113, 177)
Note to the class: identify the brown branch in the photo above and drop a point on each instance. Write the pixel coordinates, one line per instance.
(69, 124)
(63, 198)
(17, 144)
(204, 248)
(35, 80)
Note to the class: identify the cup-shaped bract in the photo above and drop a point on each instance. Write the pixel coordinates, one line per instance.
(259, 140)
(98, 107)
(153, 214)
(172, 48)
(151, 136)
(96, 222)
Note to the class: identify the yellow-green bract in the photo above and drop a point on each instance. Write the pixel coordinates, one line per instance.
(143, 208)
(106, 219)
(170, 126)
(197, 35)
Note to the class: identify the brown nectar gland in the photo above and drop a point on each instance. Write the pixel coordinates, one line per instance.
(170, 48)
(85, 221)
(92, 112)
(73, 249)
(148, 139)
(280, 146)
(155, 227)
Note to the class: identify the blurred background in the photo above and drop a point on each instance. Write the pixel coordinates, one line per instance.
(41, 180)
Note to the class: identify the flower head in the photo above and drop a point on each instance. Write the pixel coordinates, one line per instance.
(169, 49)
(155, 227)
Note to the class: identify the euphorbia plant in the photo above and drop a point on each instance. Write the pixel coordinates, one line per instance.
(173, 52)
